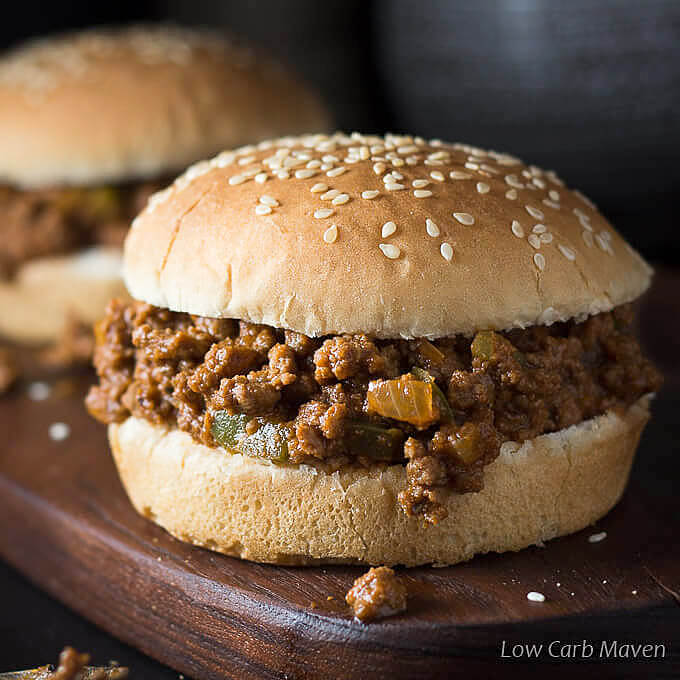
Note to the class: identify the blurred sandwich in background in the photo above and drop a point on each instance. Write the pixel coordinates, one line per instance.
(91, 124)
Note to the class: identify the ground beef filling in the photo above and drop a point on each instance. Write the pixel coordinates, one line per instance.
(46, 222)
(442, 408)
(376, 594)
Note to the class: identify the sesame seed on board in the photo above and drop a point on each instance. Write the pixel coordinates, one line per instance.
(59, 431)
(534, 596)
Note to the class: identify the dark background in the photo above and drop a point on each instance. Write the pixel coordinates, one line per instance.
(588, 88)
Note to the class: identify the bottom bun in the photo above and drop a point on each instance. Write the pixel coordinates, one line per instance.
(549, 486)
(45, 292)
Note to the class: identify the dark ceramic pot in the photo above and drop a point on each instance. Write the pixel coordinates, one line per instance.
(591, 89)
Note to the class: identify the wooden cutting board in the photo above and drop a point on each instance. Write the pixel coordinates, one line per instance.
(66, 523)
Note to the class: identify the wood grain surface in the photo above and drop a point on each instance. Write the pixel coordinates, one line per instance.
(66, 523)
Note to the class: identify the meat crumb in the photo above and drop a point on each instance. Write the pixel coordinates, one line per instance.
(8, 370)
(71, 663)
(73, 666)
(376, 594)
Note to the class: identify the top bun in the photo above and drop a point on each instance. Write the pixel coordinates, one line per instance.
(116, 105)
(393, 236)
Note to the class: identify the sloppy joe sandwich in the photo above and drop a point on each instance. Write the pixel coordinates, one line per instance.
(372, 349)
(90, 125)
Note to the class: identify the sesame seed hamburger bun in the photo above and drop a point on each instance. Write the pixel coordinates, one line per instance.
(394, 238)
(302, 233)
(105, 106)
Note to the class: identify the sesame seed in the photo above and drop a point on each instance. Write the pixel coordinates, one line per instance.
(330, 195)
(432, 228)
(514, 182)
(567, 252)
(552, 176)
(436, 175)
(262, 210)
(246, 161)
(539, 229)
(538, 182)
(533, 596)
(447, 251)
(546, 238)
(261, 177)
(482, 188)
(323, 213)
(585, 222)
(282, 174)
(314, 163)
(305, 174)
(489, 168)
(59, 431)
(407, 149)
(336, 171)
(534, 241)
(551, 204)
(472, 166)
(394, 186)
(585, 199)
(464, 218)
(588, 238)
(269, 200)
(379, 168)
(224, 159)
(318, 188)
(331, 234)
(459, 174)
(369, 194)
(517, 229)
(237, 179)
(291, 163)
(596, 538)
(420, 183)
(511, 194)
(390, 251)
(388, 229)
(539, 261)
(341, 199)
(422, 193)
(38, 391)
(554, 195)
(604, 244)
(534, 212)
(397, 175)
(329, 158)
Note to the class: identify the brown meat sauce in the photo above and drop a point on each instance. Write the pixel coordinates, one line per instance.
(173, 368)
(376, 594)
(41, 222)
